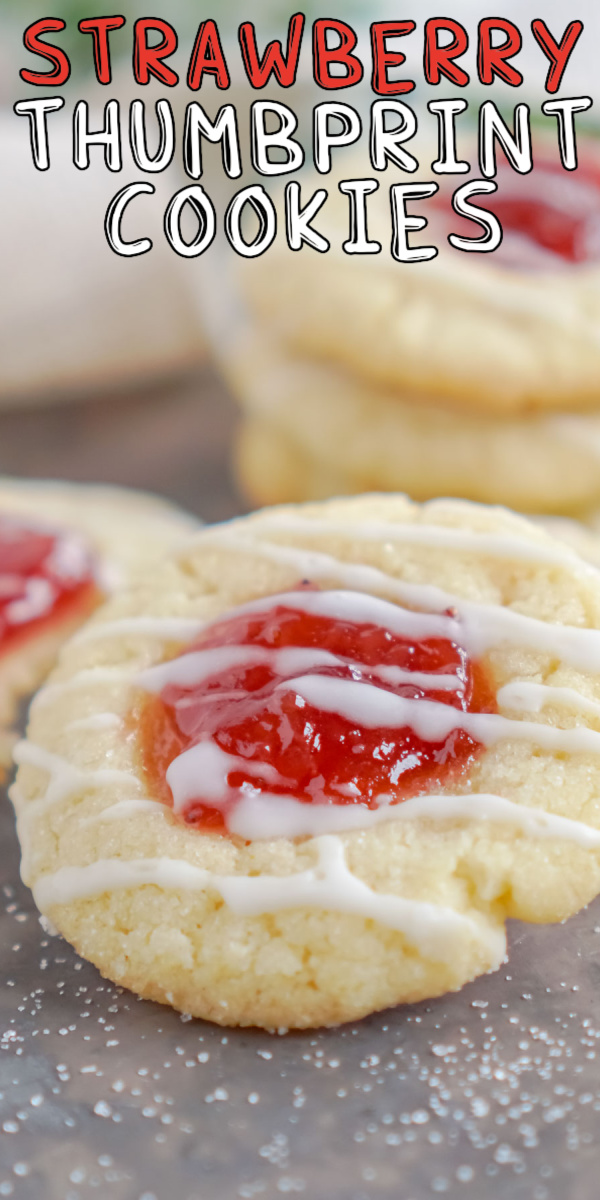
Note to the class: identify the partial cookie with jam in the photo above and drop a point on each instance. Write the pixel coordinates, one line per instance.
(63, 549)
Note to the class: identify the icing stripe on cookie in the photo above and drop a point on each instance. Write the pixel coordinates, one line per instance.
(190, 670)
(97, 723)
(166, 629)
(66, 779)
(328, 885)
(438, 537)
(359, 608)
(87, 677)
(373, 707)
(483, 627)
(204, 769)
(534, 697)
(262, 817)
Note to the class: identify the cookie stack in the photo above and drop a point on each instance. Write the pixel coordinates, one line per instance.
(473, 375)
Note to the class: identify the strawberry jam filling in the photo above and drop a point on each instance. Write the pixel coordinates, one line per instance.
(242, 706)
(550, 218)
(550, 212)
(45, 578)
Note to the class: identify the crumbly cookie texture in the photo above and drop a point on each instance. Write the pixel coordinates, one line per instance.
(582, 536)
(314, 430)
(477, 334)
(271, 468)
(308, 966)
(126, 530)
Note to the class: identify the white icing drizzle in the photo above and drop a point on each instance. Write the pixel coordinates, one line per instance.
(260, 816)
(66, 780)
(200, 773)
(368, 705)
(328, 885)
(439, 537)
(534, 697)
(87, 677)
(359, 608)
(167, 629)
(482, 627)
(190, 670)
(110, 577)
(488, 627)
(37, 601)
(96, 723)
(315, 564)
(70, 556)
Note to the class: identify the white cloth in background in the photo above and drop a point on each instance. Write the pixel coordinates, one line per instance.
(74, 316)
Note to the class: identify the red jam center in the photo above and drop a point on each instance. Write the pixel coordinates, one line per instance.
(558, 211)
(550, 218)
(323, 757)
(45, 577)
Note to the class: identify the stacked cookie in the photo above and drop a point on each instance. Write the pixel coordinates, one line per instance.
(472, 375)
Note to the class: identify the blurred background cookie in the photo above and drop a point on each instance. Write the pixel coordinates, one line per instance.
(507, 332)
(471, 375)
(312, 429)
(63, 549)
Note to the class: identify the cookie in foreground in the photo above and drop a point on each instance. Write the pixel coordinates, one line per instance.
(308, 767)
(63, 549)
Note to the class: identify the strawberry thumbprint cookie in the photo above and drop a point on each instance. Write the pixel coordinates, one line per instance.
(309, 766)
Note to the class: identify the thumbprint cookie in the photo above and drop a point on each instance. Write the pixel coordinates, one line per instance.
(312, 762)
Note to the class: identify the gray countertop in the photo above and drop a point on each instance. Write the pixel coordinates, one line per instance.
(494, 1092)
